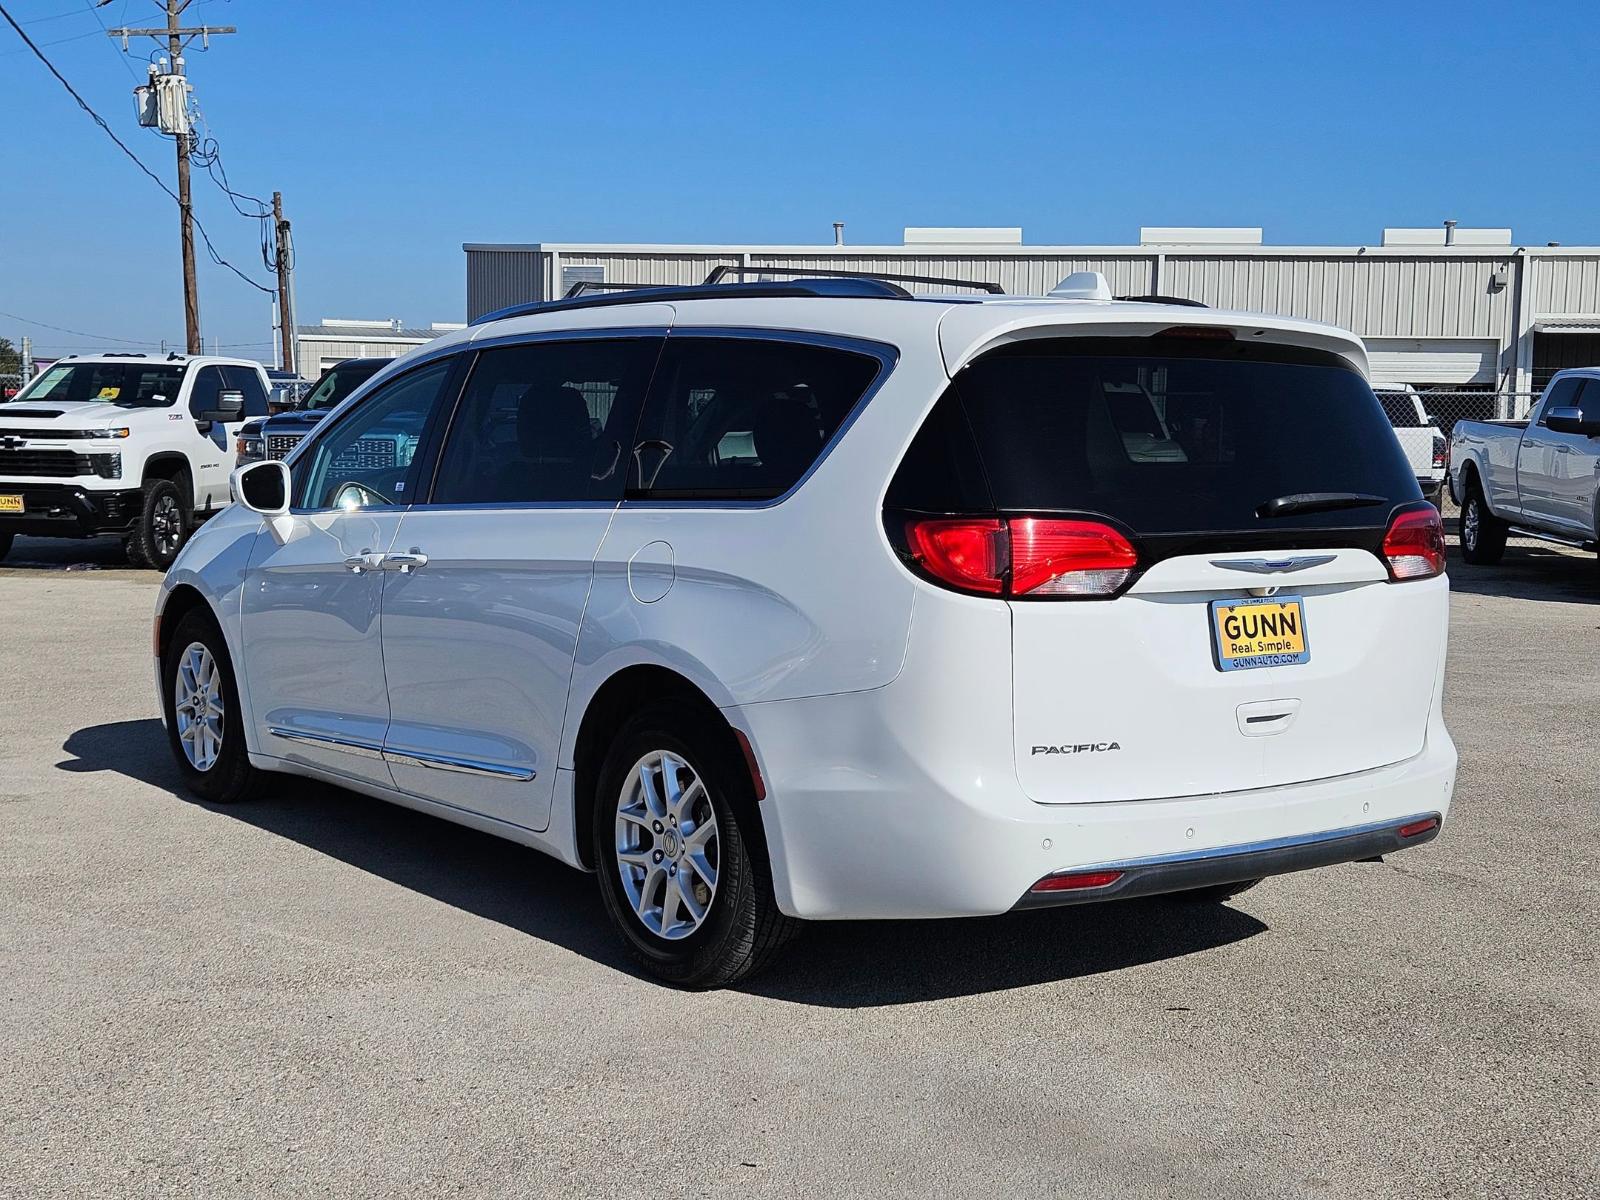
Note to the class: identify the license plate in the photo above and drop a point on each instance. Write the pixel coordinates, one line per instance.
(1265, 631)
(10, 503)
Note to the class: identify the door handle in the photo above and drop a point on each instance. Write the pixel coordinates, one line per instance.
(367, 560)
(405, 563)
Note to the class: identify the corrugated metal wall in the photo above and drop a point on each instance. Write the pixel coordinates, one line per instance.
(1566, 284)
(314, 352)
(1377, 294)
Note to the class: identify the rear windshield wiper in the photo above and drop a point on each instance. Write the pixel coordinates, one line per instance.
(1309, 502)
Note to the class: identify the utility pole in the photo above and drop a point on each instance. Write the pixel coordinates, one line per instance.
(176, 38)
(285, 308)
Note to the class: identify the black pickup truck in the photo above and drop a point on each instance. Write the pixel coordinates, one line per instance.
(275, 436)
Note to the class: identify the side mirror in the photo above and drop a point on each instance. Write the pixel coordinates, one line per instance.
(1572, 420)
(262, 487)
(229, 405)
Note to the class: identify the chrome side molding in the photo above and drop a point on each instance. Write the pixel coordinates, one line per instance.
(462, 766)
(415, 758)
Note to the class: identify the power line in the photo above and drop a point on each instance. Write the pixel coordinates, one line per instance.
(94, 10)
(121, 145)
(75, 332)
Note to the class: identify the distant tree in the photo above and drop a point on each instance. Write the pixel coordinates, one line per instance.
(10, 360)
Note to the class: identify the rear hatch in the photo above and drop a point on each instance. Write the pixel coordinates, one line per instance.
(1251, 634)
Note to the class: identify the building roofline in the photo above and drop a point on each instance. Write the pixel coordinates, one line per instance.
(1023, 250)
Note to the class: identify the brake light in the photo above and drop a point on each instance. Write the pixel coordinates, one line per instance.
(1414, 546)
(1440, 449)
(1023, 556)
(1077, 881)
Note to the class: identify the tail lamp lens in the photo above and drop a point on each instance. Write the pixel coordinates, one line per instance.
(1414, 546)
(1023, 556)
(1441, 449)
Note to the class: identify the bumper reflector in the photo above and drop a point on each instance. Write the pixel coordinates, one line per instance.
(1077, 881)
(1423, 826)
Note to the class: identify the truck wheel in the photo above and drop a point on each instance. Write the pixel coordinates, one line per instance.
(162, 527)
(5, 543)
(1483, 535)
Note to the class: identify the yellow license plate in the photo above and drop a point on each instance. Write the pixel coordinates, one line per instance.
(1266, 631)
(10, 503)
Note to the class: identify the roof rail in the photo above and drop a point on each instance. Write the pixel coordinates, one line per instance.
(864, 287)
(719, 273)
(584, 286)
(124, 354)
(1179, 300)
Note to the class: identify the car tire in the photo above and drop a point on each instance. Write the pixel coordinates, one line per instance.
(161, 527)
(671, 770)
(205, 727)
(1217, 893)
(5, 543)
(1482, 534)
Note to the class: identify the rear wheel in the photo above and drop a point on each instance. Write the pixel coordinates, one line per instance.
(1483, 535)
(673, 832)
(161, 527)
(204, 725)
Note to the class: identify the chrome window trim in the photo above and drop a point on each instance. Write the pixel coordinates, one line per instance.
(413, 758)
(888, 358)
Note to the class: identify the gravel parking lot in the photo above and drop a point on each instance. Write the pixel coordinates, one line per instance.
(319, 994)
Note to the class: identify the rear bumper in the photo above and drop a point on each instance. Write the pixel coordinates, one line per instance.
(1432, 488)
(1238, 864)
(68, 510)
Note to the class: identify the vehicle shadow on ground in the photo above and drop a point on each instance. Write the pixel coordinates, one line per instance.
(844, 965)
(1531, 572)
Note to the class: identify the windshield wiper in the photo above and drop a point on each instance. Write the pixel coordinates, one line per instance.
(1310, 502)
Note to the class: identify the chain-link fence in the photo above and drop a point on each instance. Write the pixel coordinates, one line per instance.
(10, 385)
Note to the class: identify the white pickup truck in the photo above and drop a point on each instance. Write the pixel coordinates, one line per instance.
(1535, 478)
(1419, 436)
(126, 444)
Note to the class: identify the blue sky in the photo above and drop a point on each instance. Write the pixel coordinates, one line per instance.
(399, 130)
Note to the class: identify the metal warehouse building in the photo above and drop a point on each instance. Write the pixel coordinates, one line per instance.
(318, 347)
(1446, 308)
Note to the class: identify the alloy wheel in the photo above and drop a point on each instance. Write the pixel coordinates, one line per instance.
(198, 706)
(165, 525)
(667, 851)
(1469, 524)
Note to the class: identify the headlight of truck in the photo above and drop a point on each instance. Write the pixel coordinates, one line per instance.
(248, 449)
(120, 431)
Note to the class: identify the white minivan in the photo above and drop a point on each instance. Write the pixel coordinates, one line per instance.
(814, 600)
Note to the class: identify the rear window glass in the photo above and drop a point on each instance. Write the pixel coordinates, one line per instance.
(1401, 410)
(1161, 435)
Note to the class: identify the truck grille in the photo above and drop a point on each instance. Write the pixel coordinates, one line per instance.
(279, 444)
(45, 463)
(366, 454)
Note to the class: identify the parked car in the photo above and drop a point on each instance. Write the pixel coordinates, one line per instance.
(286, 389)
(281, 432)
(123, 444)
(1420, 437)
(817, 600)
(1536, 478)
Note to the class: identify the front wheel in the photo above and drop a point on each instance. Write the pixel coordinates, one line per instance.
(161, 527)
(1483, 535)
(673, 830)
(204, 725)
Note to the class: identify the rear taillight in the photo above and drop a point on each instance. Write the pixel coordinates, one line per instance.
(1440, 449)
(1414, 546)
(1023, 556)
(1417, 828)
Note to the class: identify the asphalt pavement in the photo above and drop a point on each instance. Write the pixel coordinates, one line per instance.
(320, 994)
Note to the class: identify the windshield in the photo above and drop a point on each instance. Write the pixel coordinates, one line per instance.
(124, 384)
(337, 383)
